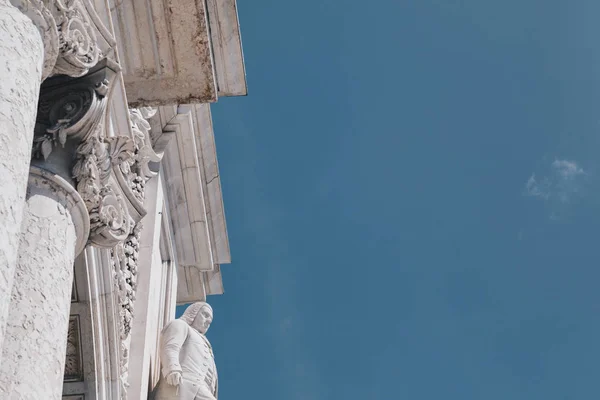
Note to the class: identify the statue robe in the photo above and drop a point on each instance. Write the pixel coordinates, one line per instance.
(185, 350)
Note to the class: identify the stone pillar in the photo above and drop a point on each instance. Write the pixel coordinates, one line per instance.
(55, 229)
(21, 59)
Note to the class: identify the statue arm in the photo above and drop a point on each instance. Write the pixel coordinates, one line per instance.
(173, 337)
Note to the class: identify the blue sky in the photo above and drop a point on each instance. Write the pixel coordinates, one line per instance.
(412, 198)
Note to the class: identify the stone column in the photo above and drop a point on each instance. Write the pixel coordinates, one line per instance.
(55, 229)
(21, 59)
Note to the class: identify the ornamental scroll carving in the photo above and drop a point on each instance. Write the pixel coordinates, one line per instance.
(70, 30)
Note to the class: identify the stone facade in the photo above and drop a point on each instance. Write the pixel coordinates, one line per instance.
(111, 210)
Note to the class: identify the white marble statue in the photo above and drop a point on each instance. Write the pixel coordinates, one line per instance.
(188, 366)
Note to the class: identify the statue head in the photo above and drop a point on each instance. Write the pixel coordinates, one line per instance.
(199, 316)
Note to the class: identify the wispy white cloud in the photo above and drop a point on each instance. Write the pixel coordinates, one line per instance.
(537, 189)
(567, 169)
(558, 184)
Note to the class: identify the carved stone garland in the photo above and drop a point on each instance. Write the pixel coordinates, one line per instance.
(136, 172)
(124, 259)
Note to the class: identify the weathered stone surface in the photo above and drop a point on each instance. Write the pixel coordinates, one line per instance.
(21, 57)
(33, 353)
(176, 52)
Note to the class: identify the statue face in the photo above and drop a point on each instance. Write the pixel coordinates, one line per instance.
(203, 319)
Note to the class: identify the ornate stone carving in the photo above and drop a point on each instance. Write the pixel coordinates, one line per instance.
(132, 172)
(78, 45)
(125, 263)
(77, 111)
(71, 120)
(68, 29)
(109, 172)
(136, 170)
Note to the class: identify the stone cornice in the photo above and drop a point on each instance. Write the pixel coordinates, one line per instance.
(192, 250)
(190, 52)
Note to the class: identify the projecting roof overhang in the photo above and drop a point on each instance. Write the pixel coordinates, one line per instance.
(179, 51)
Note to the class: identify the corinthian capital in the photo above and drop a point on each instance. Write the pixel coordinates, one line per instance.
(109, 172)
